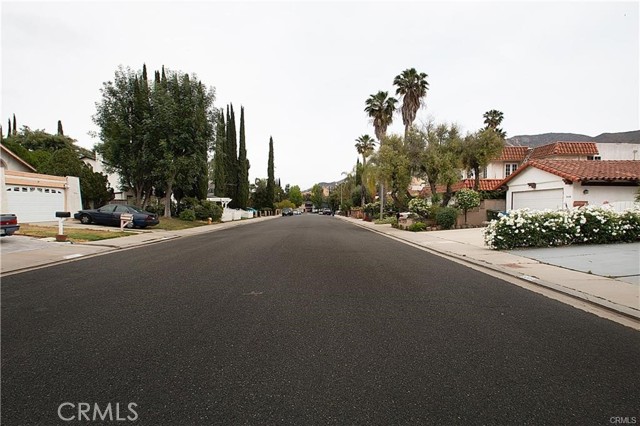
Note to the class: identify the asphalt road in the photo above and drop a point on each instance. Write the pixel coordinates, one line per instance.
(303, 320)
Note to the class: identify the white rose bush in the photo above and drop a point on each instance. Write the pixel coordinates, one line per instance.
(584, 225)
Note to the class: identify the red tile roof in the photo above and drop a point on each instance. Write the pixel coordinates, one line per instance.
(485, 185)
(564, 148)
(513, 153)
(585, 170)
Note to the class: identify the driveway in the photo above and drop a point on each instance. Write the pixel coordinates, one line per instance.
(16, 244)
(620, 261)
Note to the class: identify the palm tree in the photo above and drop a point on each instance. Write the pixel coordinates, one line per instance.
(364, 145)
(412, 86)
(493, 119)
(380, 108)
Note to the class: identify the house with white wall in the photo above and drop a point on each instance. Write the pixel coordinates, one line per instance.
(98, 165)
(562, 184)
(35, 197)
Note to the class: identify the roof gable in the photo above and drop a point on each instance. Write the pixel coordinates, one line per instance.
(7, 151)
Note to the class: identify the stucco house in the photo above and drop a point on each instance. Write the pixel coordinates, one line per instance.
(97, 164)
(560, 184)
(35, 197)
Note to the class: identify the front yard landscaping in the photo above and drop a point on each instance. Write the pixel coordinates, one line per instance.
(585, 225)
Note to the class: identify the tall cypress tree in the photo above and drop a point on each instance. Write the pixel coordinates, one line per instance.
(243, 167)
(9, 131)
(271, 182)
(219, 178)
(60, 132)
(15, 126)
(231, 158)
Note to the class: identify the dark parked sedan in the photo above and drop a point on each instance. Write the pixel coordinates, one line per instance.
(110, 215)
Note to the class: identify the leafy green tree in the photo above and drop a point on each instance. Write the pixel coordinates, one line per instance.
(258, 199)
(467, 199)
(94, 187)
(119, 118)
(295, 195)
(317, 196)
(284, 204)
(156, 135)
(393, 167)
(479, 149)
(243, 165)
(492, 119)
(441, 159)
(412, 86)
(271, 182)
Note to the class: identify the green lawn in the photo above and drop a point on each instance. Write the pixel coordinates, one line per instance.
(73, 234)
(175, 224)
(81, 235)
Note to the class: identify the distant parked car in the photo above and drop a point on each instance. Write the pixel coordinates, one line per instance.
(287, 211)
(110, 215)
(326, 212)
(8, 224)
(297, 212)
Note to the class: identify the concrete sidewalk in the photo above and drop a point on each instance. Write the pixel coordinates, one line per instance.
(467, 245)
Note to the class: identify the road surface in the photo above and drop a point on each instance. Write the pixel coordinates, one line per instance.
(303, 320)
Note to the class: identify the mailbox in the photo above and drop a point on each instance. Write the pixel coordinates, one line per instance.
(125, 220)
(63, 214)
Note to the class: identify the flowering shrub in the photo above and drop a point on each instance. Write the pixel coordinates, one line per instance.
(585, 225)
(420, 206)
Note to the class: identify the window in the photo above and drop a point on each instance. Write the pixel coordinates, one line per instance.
(594, 157)
(510, 168)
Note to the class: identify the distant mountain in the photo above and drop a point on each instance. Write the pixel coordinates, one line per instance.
(326, 185)
(546, 138)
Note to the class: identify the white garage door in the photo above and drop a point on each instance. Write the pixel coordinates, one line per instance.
(34, 204)
(539, 199)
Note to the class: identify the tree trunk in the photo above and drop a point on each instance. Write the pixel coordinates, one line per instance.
(167, 199)
(476, 182)
(364, 163)
(138, 189)
(434, 188)
(446, 197)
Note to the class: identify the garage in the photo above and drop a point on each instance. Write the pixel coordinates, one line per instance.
(34, 204)
(543, 199)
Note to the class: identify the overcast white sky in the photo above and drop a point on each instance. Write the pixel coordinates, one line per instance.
(303, 70)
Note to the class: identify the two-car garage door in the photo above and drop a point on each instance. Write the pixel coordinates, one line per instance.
(34, 204)
(543, 199)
